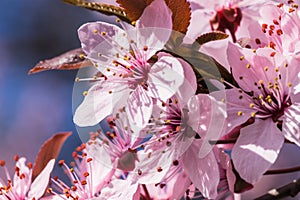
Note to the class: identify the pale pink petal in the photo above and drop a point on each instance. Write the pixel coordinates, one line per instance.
(256, 149)
(159, 156)
(154, 27)
(238, 108)
(22, 185)
(291, 123)
(165, 78)
(197, 28)
(189, 85)
(100, 167)
(203, 172)
(99, 102)
(207, 117)
(139, 107)
(119, 189)
(40, 183)
(102, 38)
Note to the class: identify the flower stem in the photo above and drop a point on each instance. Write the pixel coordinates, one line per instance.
(146, 192)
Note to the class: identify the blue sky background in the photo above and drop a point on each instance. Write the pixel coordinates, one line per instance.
(34, 107)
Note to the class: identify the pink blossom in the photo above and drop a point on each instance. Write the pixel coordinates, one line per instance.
(21, 186)
(269, 94)
(279, 29)
(180, 120)
(222, 15)
(131, 78)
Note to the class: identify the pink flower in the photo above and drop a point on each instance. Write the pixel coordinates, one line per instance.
(90, 172)
(178, 121)
(222, 15)
(21, 186)
(269, 94)
(131, 78)
(279, 29)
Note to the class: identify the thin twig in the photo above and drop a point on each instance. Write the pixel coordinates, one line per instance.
(146, 192)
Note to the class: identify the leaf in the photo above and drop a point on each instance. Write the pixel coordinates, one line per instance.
(181, 11)
(73, 59)
(205, 67)
(134, 8)
(212, 36)
(49, 150)
(102, 8)
(181, 14)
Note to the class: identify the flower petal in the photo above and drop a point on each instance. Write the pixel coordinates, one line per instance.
(207, 117)
(154, 27)
(139, 108)
(165, 77)
(291, 123)
(39, 185)
(99, 102)
(238, 108)
(256, 149)
(203, 172)
(102, 38)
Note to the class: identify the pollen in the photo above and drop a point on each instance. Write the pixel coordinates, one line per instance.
(85, 93)
(103, 33)
(81, 56)
(95, 31)
(248, 66)
(276, 69)
(77, 79)
(145, 48)
(253, 114)
(266, 68)
(251, 105)
(240, 113)
(289, 84)
(272, 54)
(242, 58)
(133, 23)
(118, 20)
(109, 92)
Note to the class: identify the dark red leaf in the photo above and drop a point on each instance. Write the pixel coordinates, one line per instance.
(212, 36)
(134, 8)
(49, 150)
(181, 14)
(73, 59)
(102, 8)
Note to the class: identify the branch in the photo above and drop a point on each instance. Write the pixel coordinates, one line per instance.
(291, 189)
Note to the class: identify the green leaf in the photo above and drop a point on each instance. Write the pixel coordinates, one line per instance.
(212, 36)
(49, 150)
(102, 8)
(204, 66)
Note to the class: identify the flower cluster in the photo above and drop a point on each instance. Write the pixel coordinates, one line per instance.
(171, 90)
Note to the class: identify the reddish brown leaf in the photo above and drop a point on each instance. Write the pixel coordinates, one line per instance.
(102, 8)
(212, 36)
(181, 14)
(134, 8)
(181, 11)
(73, 59)
(49, 150)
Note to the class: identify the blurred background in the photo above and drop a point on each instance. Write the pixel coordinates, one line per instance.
(34, 107)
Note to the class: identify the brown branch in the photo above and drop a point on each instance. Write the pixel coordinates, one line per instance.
(282, 171)
(147, 195)
(289, 190)
(232, 141)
